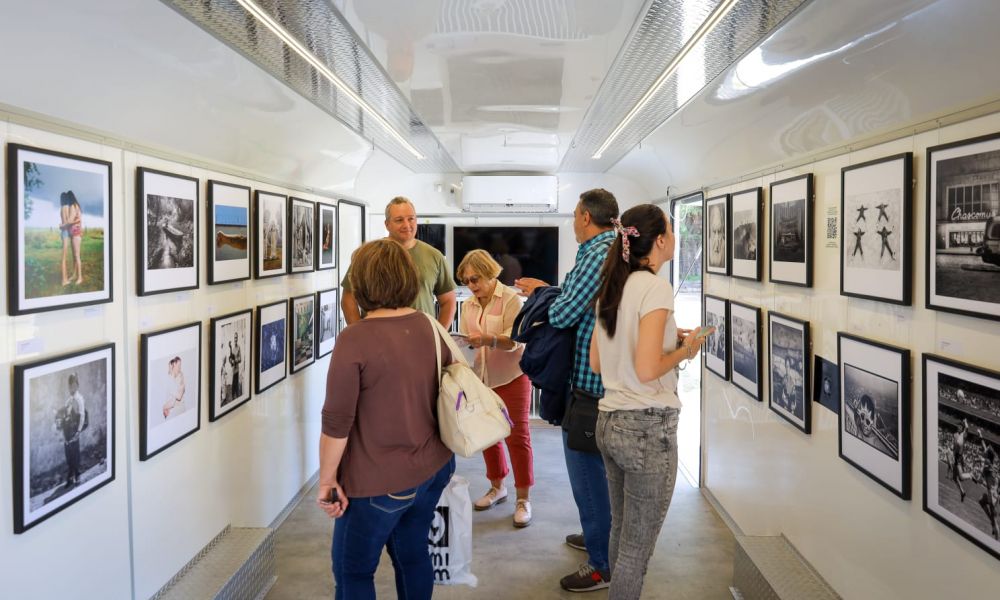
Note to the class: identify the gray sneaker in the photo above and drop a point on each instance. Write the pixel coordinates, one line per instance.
(575, 541)
(586, 579)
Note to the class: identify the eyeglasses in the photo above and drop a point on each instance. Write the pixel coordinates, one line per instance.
(474, 280)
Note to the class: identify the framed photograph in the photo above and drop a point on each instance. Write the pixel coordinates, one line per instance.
(716, 347)
(826, 383)
(874, 419)
(876, 210)
(169, 387)
(272, 328)
(744, 347)
(746, 212)
(302, 221)
(231, 341)
(58, 230)
(327, 321)
(63, 430)
(717, 240)
(166, 232)
(962, 449)
(326, 232)
(302, 316)
(963, 227)
(789, 347)
(791, 230)
(270, 233)
(228, 232)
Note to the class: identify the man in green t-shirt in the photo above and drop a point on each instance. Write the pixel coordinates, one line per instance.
(435, 277)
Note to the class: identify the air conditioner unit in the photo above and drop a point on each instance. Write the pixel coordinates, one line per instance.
(510, 193)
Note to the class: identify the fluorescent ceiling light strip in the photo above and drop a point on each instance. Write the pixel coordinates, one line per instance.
(323, 70)
(710, 23)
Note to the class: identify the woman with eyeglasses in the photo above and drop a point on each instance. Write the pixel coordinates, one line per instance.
(487, 319)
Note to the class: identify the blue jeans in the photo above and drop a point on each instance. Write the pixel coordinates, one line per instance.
(590, 492)
(400, 520)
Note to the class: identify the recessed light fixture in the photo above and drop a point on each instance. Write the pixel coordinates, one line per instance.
(710, 23)
(293, 44)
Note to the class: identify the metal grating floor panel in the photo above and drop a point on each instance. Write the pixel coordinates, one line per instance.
(237, 565)
(769, 568)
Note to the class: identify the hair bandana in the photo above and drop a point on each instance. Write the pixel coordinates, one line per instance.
(626, 233)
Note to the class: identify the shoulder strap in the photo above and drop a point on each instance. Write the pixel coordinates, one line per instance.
(437, 346)
(442, 333)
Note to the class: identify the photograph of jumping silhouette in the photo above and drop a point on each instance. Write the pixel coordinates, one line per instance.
(270, 234)
(717, 240)
(963, 227)
(63, 432)
(791, 231)
(746, 208)
(170, 387)
(876, 200)
(962, 453)
(228, 232)
(301, 220)
(166, 232)
(874, 419)
(229, 377)
(788, 341)
(716, 345)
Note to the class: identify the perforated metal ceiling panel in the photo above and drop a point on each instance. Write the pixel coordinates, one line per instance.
(317, 26)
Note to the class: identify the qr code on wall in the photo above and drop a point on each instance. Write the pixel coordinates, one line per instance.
(831, 228)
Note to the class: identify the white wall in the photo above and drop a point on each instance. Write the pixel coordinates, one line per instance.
(773, 479)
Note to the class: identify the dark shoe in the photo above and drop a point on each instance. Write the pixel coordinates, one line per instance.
(575, 541)
(585, 579)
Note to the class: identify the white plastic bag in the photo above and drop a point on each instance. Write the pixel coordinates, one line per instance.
(450, 539)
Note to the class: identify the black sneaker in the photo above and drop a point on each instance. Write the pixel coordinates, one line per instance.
(576, 541)
(585, 579)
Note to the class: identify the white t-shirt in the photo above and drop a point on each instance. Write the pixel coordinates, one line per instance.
(643, 293)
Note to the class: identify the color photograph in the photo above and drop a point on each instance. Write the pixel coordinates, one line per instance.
(170, 383)
(229, 378)
(166, 232)
(303, 346)
(228, 232)
(271, 329)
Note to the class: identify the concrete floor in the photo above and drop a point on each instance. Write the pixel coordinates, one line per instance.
(693, 557)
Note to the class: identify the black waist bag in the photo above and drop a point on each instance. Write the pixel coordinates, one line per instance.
(580, 422)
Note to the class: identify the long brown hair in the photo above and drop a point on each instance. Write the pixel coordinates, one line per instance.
(651, 223)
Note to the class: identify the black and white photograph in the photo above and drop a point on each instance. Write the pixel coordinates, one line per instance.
(63, 430)
(874, 419)
(962, 449)
(876, 204)
(270, 234)
(166, 232)
(302, 221)
(791, 230)
(228, 232)
(716, 348)
(788, 346)
(271, 332)
(746, 208)
(326, 232)
(717, 238)
(963, 227)
(744, 347)
(58, 230)
(302, 317)
(169, 387)
(231, 342)
(327, 309)
(826, 384)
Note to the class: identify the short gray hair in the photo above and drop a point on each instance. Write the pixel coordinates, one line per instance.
(601, 204)
(395, 201)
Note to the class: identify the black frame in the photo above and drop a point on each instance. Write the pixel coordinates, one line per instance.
(906, 417)
(257, 246)
(760, 233)
(17, 433)
(291, 333)
(210, 232)
(806, 426)
(213, 340)
(140, 231)
(318, 231)
(726, 231)
(725, 319)
(906, 243)
(364, 226)
(336, 318)
(931, 237)
(820, 368)
(809, 248)
(995, 552)
(292, 201)
(759, 392)
(144, 453)
(257, 325)
(14, 224)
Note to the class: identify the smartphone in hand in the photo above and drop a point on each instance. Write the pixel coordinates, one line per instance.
(332, 498)
(705, 332)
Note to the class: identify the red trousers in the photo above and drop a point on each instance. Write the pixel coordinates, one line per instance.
(516, 395)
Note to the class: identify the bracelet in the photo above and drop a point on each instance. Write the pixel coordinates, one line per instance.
(494, 344)
(690, 356)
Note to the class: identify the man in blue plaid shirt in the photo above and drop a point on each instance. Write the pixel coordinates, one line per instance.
(592, 226)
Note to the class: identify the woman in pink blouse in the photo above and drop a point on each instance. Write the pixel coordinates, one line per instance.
(487, 319)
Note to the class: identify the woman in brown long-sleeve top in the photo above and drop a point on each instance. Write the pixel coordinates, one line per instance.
(383, 465)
